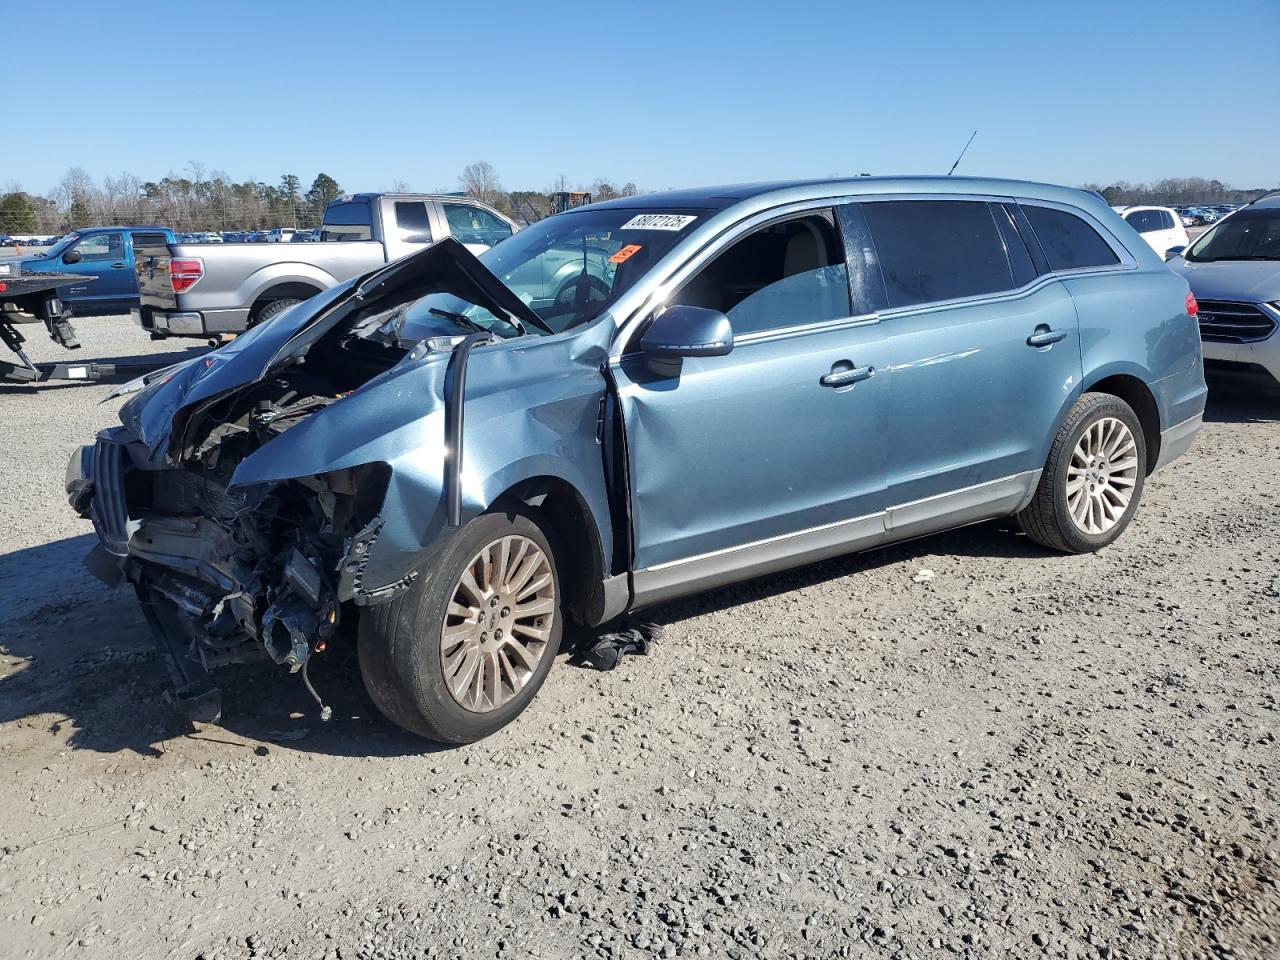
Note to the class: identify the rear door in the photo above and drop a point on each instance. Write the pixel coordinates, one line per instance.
(749, 460)
(984, 350)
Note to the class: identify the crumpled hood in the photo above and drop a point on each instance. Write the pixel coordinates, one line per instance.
(445, 267)
(1255, 281)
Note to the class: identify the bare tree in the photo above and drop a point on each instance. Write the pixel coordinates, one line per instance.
(480, 180)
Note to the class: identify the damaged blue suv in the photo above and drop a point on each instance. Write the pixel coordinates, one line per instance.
(748, 378)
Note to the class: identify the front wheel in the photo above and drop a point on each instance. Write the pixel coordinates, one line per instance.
(464, 649)
(1093, 479)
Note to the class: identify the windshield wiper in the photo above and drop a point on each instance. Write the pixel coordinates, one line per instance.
(463, 320)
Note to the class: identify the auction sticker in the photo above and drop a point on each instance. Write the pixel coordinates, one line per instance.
(626, 253)
(658, 221)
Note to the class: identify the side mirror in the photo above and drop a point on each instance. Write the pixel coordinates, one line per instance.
(1174, 252)
(681, 331)
(72, 256)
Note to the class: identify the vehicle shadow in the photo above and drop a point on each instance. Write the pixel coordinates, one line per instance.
(81, 659)
(1228, 405)
(135, 363)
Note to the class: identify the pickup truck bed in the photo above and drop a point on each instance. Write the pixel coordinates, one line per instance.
(202, 290)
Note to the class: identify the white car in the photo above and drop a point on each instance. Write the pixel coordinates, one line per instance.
(1161, 227)
(281, 235)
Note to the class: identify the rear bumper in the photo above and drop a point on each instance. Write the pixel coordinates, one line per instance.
(191, 323)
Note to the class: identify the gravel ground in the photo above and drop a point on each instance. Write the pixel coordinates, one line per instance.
(1025, 755)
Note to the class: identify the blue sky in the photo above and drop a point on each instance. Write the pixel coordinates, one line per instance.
(663, 94)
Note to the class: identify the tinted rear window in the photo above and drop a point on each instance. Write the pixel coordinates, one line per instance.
(1068, 241)
(347, 221)
(932, 250)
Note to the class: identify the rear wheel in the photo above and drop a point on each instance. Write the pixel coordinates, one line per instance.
(1092, 482)
(464, 650)
(272, 309)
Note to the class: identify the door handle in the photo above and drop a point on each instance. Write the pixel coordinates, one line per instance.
(844, 374)
(117, 266)
(1044, 337)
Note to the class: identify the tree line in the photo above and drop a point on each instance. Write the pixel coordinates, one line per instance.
(211, 201)
(202, 200)
(1173, 191)
(196, 202)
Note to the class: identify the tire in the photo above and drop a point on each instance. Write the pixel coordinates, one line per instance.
(272, 309)
(1049, 519)
(405, 656)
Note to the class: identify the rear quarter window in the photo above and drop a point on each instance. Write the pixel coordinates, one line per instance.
(1068, 241)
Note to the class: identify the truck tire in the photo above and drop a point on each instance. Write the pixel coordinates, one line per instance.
(1093, 479)
(272, 309)
(462, 651)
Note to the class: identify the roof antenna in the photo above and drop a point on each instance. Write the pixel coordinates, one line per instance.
(962, 153)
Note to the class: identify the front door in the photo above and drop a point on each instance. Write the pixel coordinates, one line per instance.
(742, 463)
(102, 255)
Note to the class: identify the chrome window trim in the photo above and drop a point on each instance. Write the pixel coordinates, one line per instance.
(654, 291)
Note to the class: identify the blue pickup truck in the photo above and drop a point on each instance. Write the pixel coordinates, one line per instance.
(102, 252)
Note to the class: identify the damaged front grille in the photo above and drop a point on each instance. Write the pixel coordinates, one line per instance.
(110, 511)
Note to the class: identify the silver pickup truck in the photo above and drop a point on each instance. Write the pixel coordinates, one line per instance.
(202, 290)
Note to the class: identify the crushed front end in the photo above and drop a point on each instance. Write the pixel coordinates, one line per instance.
(254, 497)
(225, 573)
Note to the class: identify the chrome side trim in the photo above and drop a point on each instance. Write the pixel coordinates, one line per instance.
(676, 578)
(958, 507)
(1177, 440)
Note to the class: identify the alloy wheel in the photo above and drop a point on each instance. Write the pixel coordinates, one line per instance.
(498, 622)
(1102, 475)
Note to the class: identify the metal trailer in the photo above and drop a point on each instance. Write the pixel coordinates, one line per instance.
(33, 298)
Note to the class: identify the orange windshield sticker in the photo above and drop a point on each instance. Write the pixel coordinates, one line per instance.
(626, 253)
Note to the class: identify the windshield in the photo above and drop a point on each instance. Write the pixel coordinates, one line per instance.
(567, 268)
(61, 245)
(1245, 235)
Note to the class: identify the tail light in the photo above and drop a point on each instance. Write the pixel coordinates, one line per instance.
(183, 273)
(1192, 307)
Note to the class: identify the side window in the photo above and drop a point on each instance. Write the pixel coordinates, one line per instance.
(101, 246)
(475, 224)
(1166, 220)
(933, 250)
(412, 222)
(1068, 241)
(782, 275)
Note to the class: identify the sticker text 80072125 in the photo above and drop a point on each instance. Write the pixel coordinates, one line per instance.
(658, 221)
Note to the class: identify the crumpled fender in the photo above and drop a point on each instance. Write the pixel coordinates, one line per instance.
(532, 406)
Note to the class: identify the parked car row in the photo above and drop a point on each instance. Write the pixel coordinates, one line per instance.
(277, 235)
(626, 403)
(1205, 214)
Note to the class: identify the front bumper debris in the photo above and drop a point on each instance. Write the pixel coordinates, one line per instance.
(224, 575)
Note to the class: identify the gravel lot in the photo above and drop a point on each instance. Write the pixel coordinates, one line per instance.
(1025, 755)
